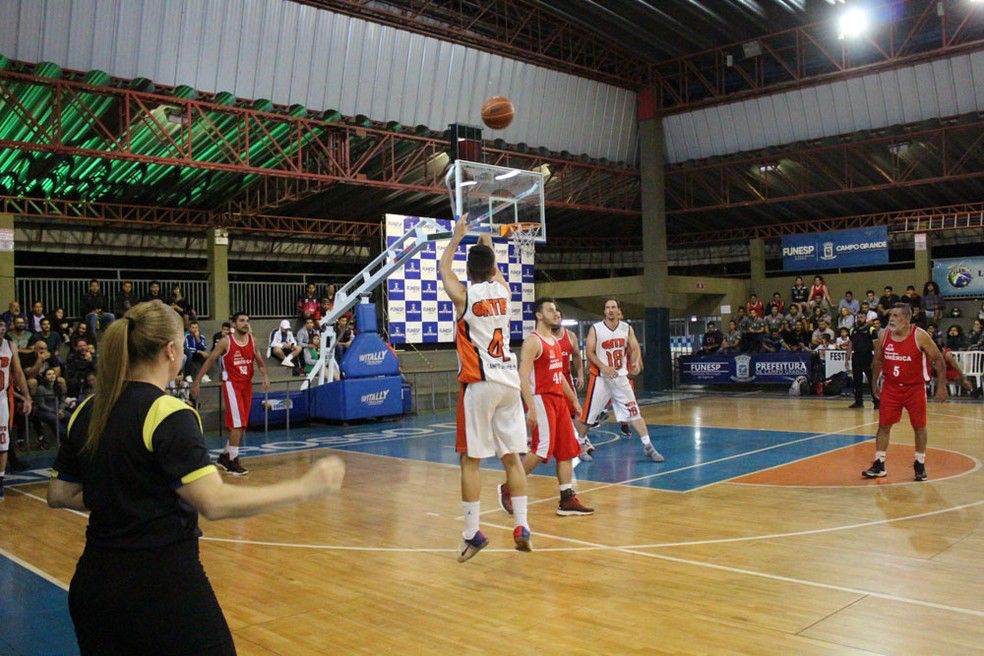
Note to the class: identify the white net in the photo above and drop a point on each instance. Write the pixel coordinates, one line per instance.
(524, 235)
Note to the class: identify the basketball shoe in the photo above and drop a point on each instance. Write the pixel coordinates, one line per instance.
(571, 506)
(230, 466)
(877, 469)
(505, 499)
(920, 470)
(521, 536)
(472, 546)
(650, 452)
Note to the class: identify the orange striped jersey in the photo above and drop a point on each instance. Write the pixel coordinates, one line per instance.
(482, 338)
(612, 346)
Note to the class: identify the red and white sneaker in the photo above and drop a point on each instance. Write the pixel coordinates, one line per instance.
(571, 506)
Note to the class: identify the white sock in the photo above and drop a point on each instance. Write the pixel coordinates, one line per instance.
(645, 439)
(880, 455)
(470, 509)
(519, 511)
(921, 457)
(233, 451)
(566, 486)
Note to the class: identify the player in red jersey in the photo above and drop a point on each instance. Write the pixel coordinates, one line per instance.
(571, 354)
(238, 352)
(901, 375)
(548, 397)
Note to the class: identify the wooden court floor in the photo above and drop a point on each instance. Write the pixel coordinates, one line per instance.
(740, 566)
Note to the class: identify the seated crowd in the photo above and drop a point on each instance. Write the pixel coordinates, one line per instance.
(812, 321)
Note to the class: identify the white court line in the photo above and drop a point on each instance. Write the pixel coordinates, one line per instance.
(947, 414)
(765, 575)
(336, 547)
(31, 568)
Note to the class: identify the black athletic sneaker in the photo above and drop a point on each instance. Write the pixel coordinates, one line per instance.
(237, 468)
(877, 469)
(920, 469)
(624, 427)
(230, 466)
(856, 404)
(876, 405)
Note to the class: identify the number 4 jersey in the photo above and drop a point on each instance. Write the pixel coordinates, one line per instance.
(483, 336)
(611, 346)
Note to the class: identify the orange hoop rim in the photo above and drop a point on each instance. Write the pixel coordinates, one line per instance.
(527, 227)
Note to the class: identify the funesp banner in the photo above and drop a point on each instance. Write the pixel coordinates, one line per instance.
(834, 250)
(719, 369)
(961, 276)
(417, 309)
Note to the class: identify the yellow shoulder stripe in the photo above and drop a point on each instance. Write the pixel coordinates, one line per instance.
(75, 415)
(160, 410)
(191, 477)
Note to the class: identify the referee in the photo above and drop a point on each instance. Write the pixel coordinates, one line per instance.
(860, 354)
(136, 458)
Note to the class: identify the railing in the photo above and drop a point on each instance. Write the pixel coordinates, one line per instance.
(67, 293)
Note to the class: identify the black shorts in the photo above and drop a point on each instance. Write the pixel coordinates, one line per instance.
(146, 602)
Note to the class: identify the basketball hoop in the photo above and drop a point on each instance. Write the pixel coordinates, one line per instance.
(524, 235)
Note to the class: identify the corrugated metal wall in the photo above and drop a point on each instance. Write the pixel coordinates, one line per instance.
(944, 87)
(292, 53)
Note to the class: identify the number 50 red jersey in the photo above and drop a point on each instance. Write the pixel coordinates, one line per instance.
(482, 339)
(237, 362)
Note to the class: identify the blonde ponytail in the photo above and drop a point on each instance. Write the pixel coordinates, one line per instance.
(136, 338)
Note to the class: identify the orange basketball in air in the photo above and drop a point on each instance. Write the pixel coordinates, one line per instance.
(497, 112)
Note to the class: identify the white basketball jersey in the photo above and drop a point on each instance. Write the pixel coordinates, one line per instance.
(483, 336)
(611, 346)
(6, 354)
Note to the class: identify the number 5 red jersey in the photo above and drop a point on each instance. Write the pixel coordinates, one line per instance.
(482, 339)
(903, 362)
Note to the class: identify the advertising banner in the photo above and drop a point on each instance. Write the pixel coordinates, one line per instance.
(834, 250)
(743, 368)
(962, 276)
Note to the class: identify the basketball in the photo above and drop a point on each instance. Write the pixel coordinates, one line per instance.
(497, 112)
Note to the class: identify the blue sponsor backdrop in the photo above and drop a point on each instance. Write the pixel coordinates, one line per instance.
(963, 276)
(743, 368)
(833, 250)
(417, 309)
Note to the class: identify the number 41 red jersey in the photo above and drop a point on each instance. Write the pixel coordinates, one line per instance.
(482, 339)
(237, 363)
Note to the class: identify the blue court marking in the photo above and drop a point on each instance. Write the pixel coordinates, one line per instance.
(695, 457)
(33, 614)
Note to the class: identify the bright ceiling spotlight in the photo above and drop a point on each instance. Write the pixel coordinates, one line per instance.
(852, 23)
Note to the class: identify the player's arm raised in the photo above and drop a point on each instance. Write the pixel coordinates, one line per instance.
(452, 286)
(928, 346)
(497, 276)
(577, 365)
(220, 349)
(530, 352)
(590, 344)
(635, 353)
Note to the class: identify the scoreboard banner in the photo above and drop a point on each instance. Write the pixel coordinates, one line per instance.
(418, 311)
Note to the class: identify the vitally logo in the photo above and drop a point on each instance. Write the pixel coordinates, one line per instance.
(374, 358)
(375, 398)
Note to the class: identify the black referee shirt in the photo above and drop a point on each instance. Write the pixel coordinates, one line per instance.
(153, 444)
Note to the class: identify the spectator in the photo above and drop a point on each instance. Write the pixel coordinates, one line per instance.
(774, 319)
(744, 323)
(826, 343)
(50, 414)
(975, 339)
(154, 294)
(955, 339)
(823, 329)
(195, 353)
(182, 306)
(819, 294)
(283, 346)
(871, 300)
(52, 339)
(794, 314)
(800, 293)
(843, 341)
(330, 294)
(712, 340)
(323, 309)
(777, 302)
(732, 340)
(756, 326)
(820, 314)
(868, 311)
(43, 361)
(911, 297)
(306, 332)
(81, 332)
(13, 311)
(919, 317)
(754, 306)
(791, 340)
(850, 303)
(224, 331)
(87, 388)
(61, 324)
(885, 303)
(307, 304)
(312, 353)
(771, 341)
(35, 318)
(934, 331)
(80, 363)
(344, 335)
(980, 313)
(125, 299)
(94, 308)
(846, 319)
(932, 301)
(21, 339)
